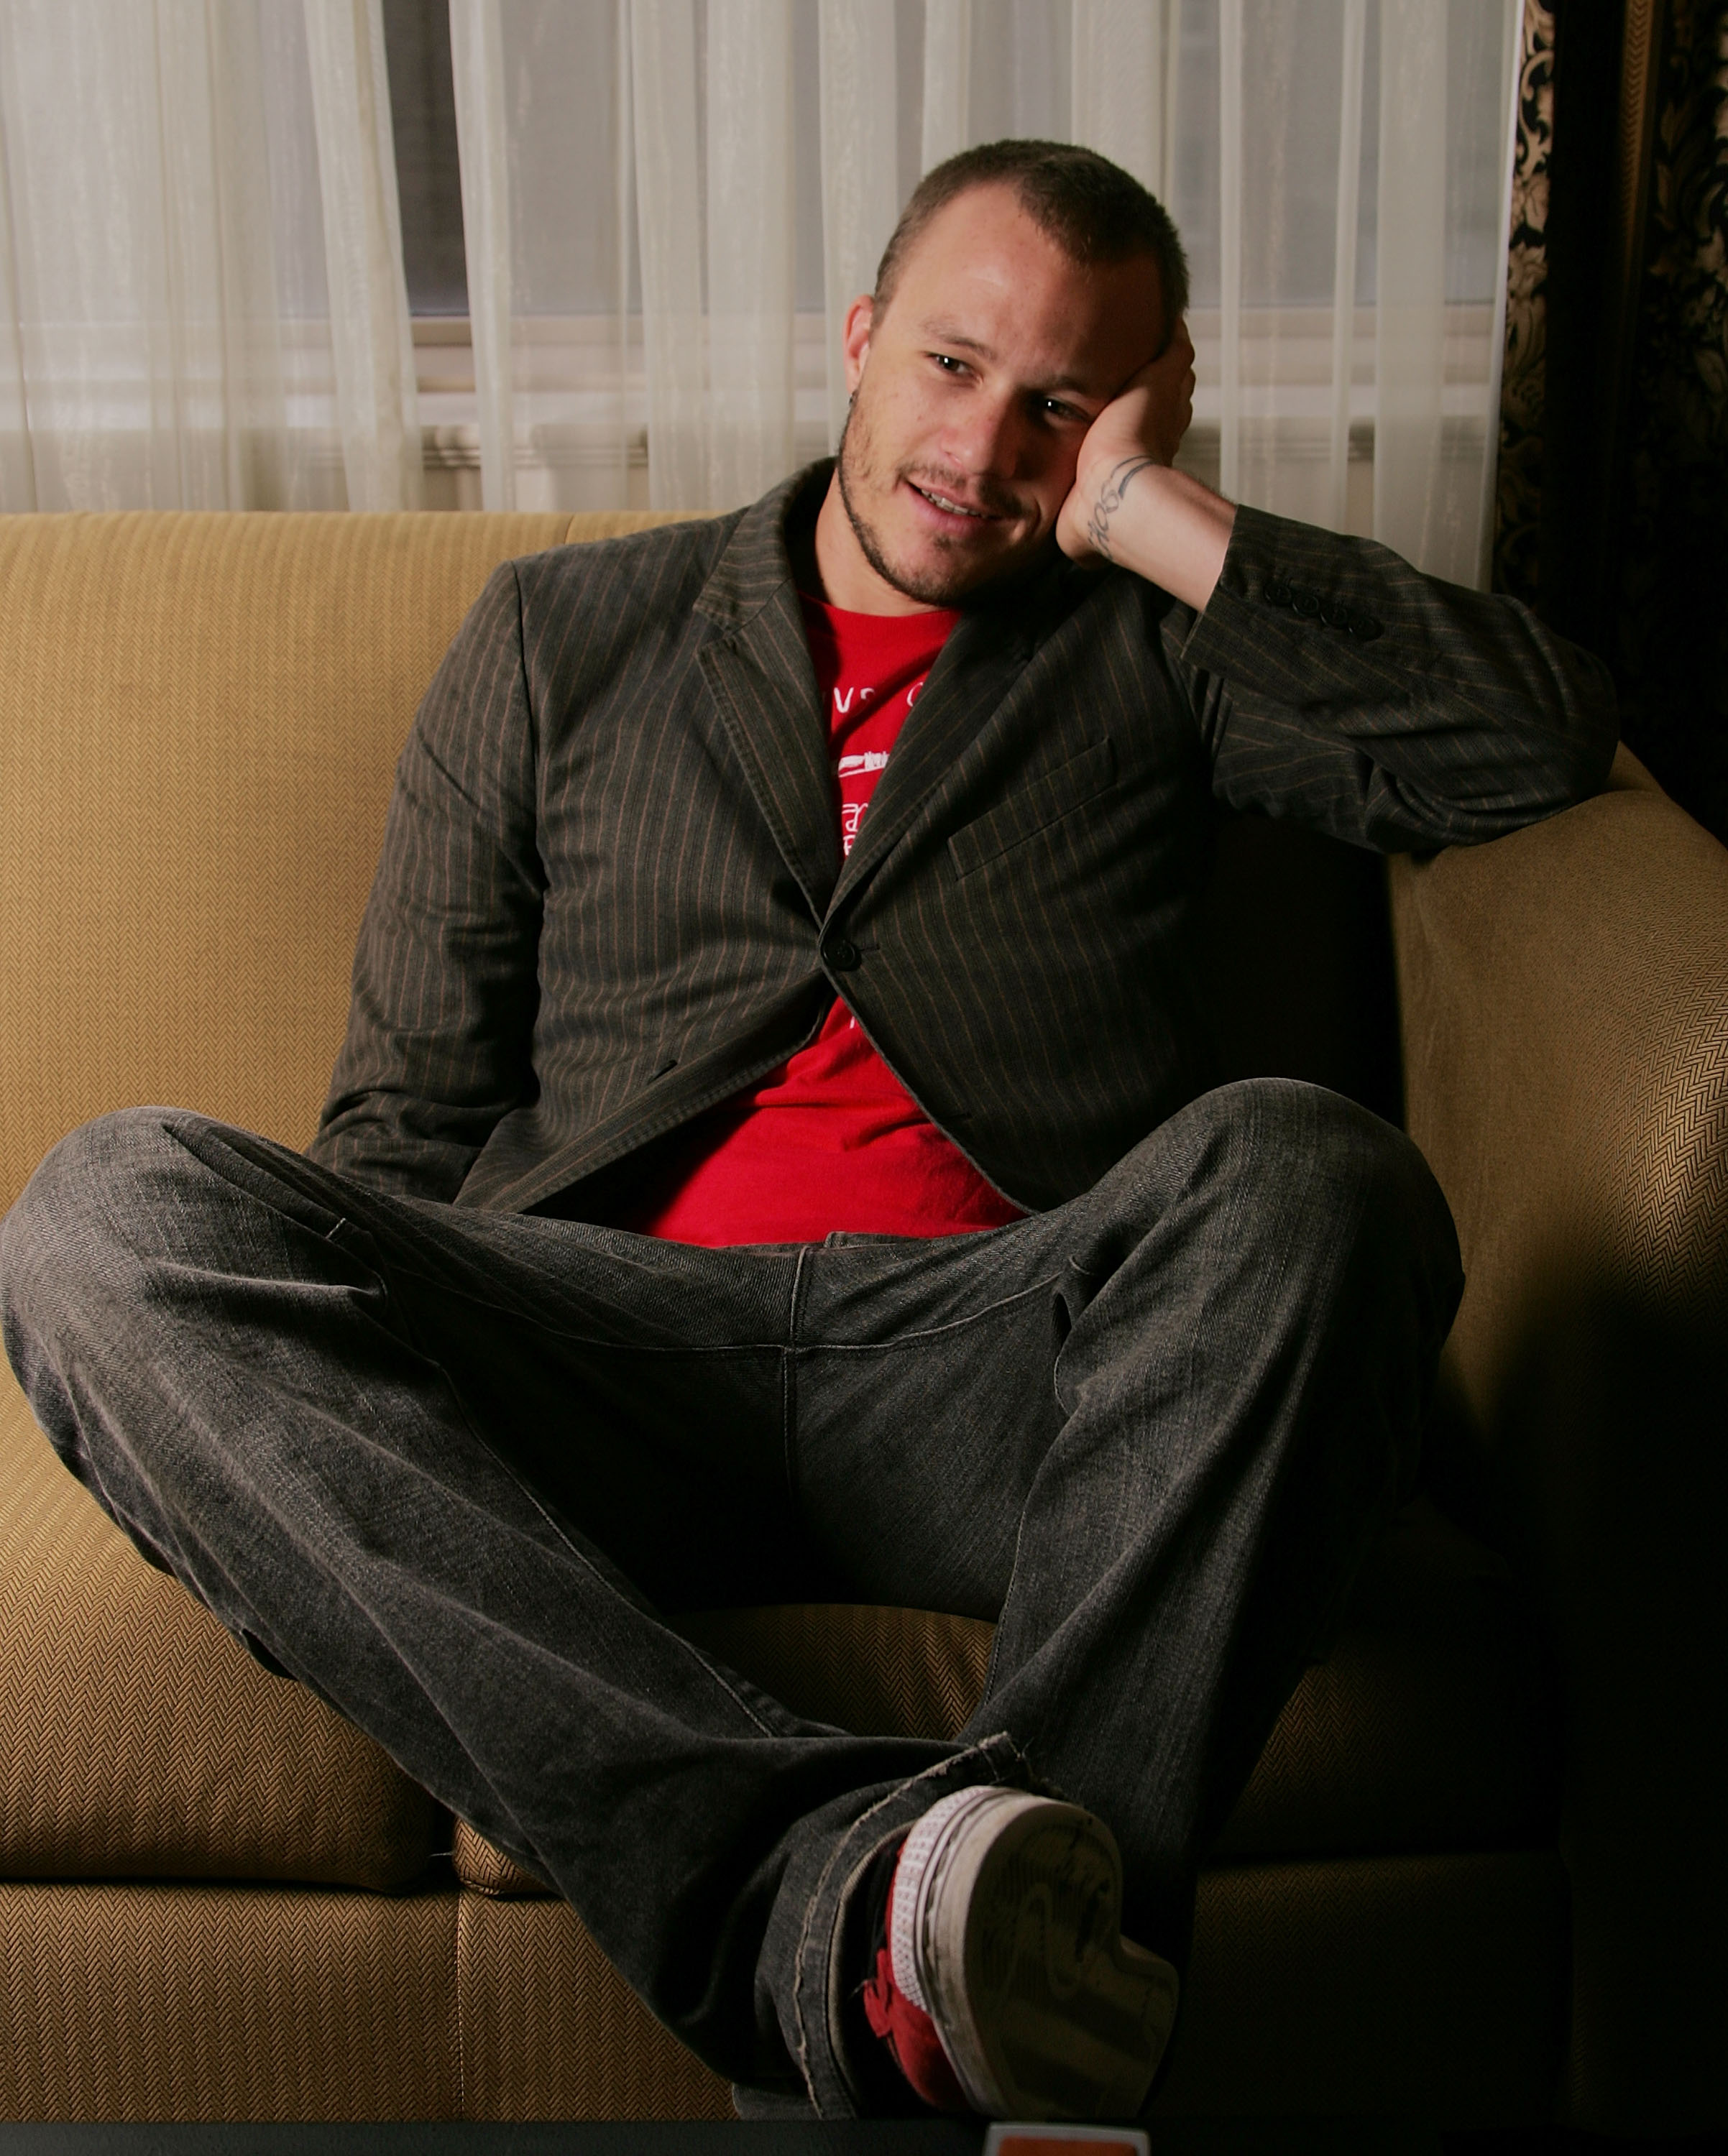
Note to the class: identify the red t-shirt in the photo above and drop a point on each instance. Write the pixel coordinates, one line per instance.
(831, 1140)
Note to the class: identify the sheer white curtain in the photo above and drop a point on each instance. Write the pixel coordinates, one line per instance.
(201, 293)
(668, 205)
(1339, 168)
(371, 344)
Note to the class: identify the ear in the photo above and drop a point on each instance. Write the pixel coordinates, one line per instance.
(854, 338)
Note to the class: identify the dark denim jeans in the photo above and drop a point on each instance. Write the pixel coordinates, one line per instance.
(449, 1468)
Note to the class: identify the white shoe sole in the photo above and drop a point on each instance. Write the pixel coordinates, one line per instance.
(1045, 2009)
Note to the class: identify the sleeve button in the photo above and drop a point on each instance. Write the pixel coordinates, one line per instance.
(1276, 592)
(1335, 614)
(1303, 602)
(1363, 627)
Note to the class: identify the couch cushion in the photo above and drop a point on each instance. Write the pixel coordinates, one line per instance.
(163, 2002)
(138, 1739)
(1429, 1726)
(550, 2029)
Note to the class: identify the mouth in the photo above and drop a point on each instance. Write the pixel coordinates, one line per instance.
(950, 509)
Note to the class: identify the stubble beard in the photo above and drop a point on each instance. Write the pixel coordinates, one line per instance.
(935, 587)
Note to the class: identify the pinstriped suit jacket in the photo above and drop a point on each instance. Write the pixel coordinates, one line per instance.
(611, 893)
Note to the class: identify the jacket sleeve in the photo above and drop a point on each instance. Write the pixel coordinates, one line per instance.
(1334, 682)
(440, 1021)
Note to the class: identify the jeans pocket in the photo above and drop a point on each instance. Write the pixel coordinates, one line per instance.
(284, 1182)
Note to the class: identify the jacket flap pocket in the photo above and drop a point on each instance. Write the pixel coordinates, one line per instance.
(1044, 800)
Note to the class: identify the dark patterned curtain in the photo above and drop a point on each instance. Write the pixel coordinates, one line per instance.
(1612, 513)
(1517, 550)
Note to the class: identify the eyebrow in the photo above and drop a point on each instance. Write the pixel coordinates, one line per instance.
(943, 332)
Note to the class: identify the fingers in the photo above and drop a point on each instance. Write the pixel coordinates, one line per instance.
(1170, 379)
(1172, 366)
(1153, 409)
(1175, 341)
(1179, 359)
(1172, 382)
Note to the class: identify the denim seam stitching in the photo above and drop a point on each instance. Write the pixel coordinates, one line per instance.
(943, 1767)
(935, 1332)
(788, 1384)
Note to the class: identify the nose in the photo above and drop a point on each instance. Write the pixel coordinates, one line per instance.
(987, 438)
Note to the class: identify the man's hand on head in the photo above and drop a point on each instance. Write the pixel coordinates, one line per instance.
(1143, 423)
(1128, 504)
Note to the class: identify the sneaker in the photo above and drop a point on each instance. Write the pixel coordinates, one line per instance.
(1003, 1984)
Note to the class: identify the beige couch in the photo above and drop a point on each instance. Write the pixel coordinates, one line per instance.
(217, 1900)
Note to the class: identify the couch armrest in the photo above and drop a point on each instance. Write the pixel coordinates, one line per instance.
(1564, 995)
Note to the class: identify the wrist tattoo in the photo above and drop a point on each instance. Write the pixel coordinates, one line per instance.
(1109, 501)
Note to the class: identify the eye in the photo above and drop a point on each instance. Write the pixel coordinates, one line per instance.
(1053, 407)
(949, 364)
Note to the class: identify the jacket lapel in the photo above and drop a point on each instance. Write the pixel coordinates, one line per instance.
(979, 663)
(758, 670)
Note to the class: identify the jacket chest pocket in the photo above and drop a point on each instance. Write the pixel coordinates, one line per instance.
(1042, 801)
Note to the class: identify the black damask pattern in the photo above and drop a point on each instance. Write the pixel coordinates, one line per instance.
(1517, 508)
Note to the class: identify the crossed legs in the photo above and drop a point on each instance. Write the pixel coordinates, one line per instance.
(450, 1468)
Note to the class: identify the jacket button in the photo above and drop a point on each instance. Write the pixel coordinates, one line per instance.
(1303, 602)
(1363, 627)
(842, 954)
(1335, 614)
(1276, 592)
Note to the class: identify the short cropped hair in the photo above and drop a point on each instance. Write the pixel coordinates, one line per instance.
(1094, 211)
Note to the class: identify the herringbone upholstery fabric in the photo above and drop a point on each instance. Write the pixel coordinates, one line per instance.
(138, 1740)
(199, 719)
(1565, 1015)
(141, 2002)
(1564, 998)
(489, 1871)
(862, 1667)
(549, 2030)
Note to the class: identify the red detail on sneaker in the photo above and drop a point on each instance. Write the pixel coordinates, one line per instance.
(913, 2043)
(910, 2034)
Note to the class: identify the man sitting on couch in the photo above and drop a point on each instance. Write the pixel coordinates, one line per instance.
(772, 1157)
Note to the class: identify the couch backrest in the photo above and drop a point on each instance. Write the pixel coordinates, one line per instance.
(199, 718)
